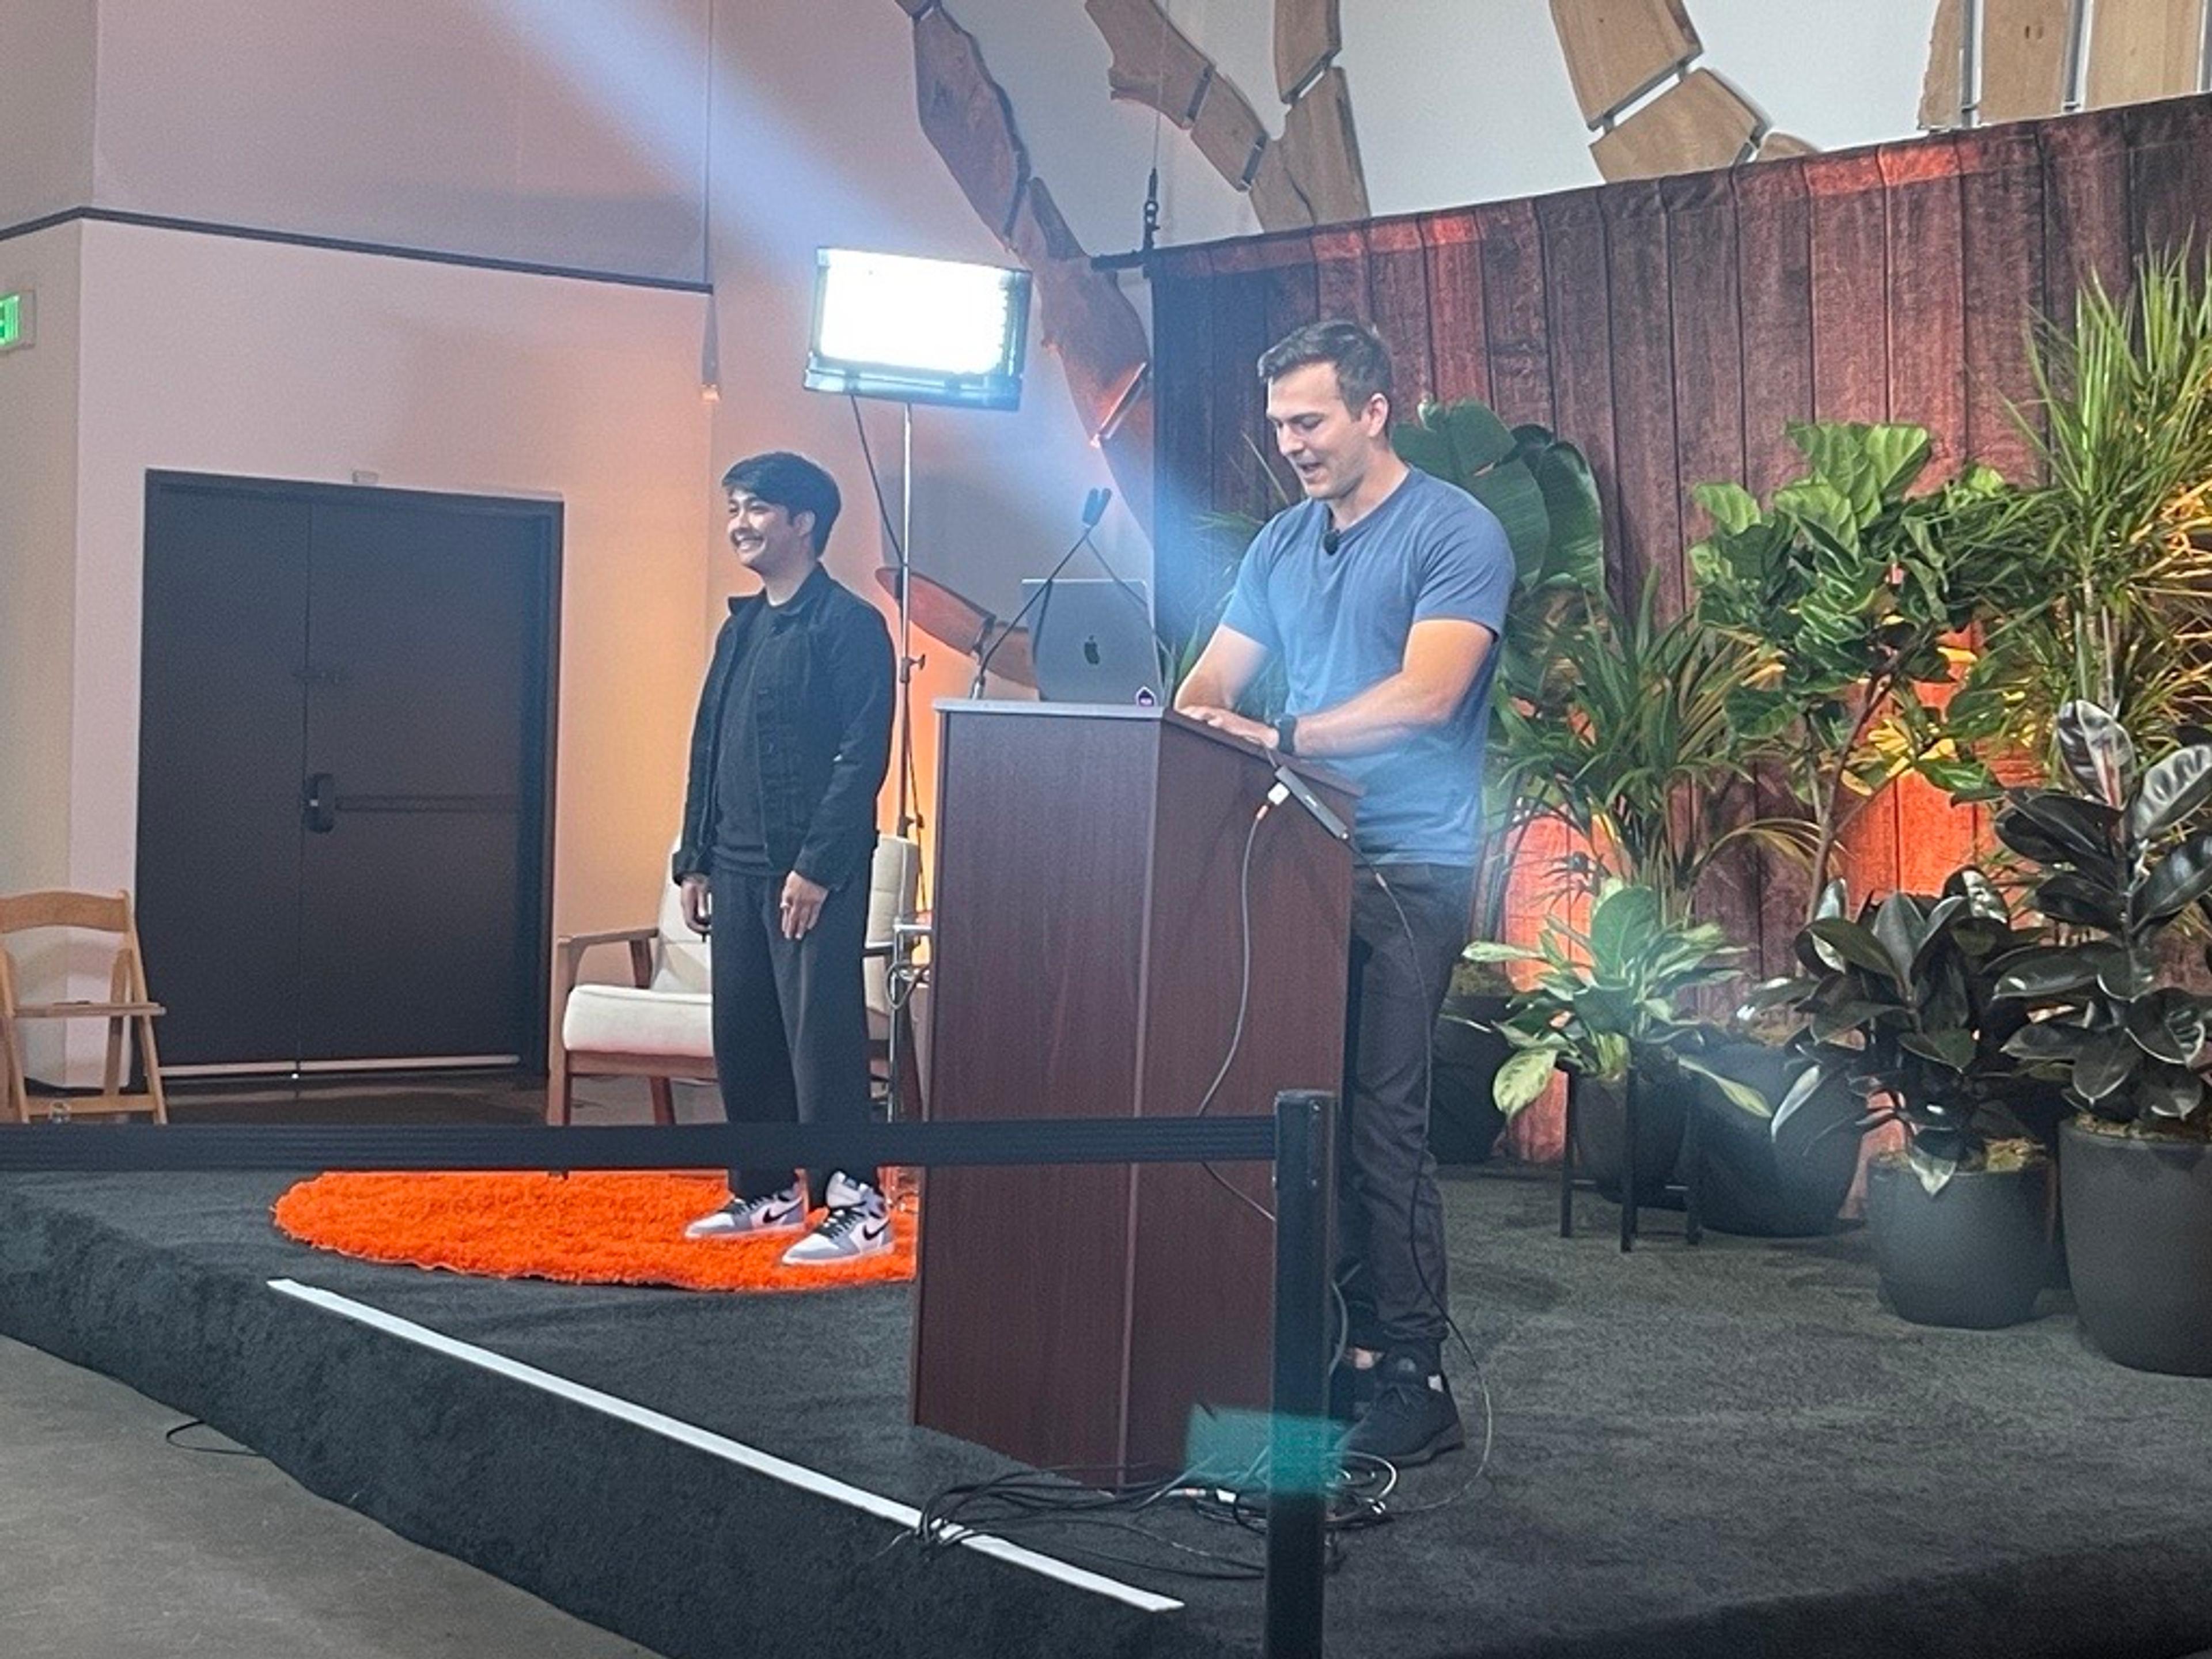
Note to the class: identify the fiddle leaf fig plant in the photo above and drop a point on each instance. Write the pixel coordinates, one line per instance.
(1853, 586)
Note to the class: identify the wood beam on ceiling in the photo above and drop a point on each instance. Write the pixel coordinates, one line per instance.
(1617, 50)
(2140, 50)
(966, 117)
(2023, 58)
(1699, 122)
(1942, 87)
(1307, 39)
(1154, 63)
(1323, 151)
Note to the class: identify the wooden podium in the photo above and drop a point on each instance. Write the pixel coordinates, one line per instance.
(1085, 962)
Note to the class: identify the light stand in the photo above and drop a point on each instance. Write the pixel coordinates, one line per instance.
(914, 331)
(908, 820)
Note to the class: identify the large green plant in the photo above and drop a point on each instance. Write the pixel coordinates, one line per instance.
(1613, 999)
(1849, 587)
(1542, 492)
(1647, 766)
(2118, 535)
(2118, 863)
(1903, 1004)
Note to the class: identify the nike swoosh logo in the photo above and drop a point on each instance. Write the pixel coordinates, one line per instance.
(870, 1234)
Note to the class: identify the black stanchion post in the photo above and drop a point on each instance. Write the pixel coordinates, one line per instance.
(1302, 1456)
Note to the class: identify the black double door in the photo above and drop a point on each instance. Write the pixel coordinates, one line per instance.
(343, 800)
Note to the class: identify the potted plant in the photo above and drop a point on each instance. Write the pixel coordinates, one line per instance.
(1639, 756)
(1854, 589)
(2116, 536)
(2119, 863)
(1644, 765)
(1610, 1006)
(1754, 1179)
(1903, 1005)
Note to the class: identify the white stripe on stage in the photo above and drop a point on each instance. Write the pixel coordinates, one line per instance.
(748, 1457)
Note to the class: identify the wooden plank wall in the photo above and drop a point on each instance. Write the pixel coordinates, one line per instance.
(1671, 327)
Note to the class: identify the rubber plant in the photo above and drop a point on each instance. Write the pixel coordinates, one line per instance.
(2119, 860)
(1905, 1003)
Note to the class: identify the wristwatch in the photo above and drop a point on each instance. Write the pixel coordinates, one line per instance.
(1286, 735)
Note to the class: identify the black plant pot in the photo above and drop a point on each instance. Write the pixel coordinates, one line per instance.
(1464, 1121)
(1971, 1256)
(1601, 1113)
(1757, 1184)
(2139, 1247)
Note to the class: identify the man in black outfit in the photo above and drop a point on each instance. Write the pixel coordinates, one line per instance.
(788, 752)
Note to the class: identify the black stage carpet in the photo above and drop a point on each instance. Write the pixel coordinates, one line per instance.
(1728, 1450)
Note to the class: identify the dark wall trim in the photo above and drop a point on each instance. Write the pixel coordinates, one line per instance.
(340, 245)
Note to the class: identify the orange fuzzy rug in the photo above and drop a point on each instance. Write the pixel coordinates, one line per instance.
(585, 1229)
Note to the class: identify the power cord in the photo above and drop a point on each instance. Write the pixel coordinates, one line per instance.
(1026, 1497)
(1243, 999)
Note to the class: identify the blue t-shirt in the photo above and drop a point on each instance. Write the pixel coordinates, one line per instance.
(1338, 621)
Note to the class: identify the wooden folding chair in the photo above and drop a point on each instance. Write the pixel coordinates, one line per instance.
(128, 1003)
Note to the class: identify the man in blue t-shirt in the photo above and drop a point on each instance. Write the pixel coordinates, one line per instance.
(1384, 593)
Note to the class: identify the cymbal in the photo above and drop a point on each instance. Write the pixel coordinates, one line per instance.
(960, 622)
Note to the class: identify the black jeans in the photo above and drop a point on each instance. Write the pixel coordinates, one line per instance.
(791, 1021)
(1390, 1228)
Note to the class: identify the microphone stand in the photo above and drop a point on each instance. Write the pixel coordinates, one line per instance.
(1090, 523)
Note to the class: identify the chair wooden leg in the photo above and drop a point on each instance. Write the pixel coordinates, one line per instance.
(151, 1059)
(664, 1100)
(557, 1082)
(111, 1074)
(11, 1066)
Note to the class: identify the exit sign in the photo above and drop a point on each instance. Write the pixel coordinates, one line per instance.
(15, 319)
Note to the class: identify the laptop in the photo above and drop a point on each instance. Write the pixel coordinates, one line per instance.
(1091, 639)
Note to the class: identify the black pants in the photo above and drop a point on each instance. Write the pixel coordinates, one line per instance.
(1390, 1228)
(791, 1021)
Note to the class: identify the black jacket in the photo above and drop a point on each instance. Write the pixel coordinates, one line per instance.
(824, 702)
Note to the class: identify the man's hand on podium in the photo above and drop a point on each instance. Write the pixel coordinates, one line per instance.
(1229, 720)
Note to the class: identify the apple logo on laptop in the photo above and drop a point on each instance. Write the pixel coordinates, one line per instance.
(1090, 651)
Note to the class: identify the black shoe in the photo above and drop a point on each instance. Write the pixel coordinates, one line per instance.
(1351, 1391)
(1413, 1417)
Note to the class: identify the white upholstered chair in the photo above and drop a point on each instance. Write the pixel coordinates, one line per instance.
(660, 1025)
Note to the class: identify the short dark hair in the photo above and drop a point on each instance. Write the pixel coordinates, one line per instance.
(791, 483)
(1354, 349)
